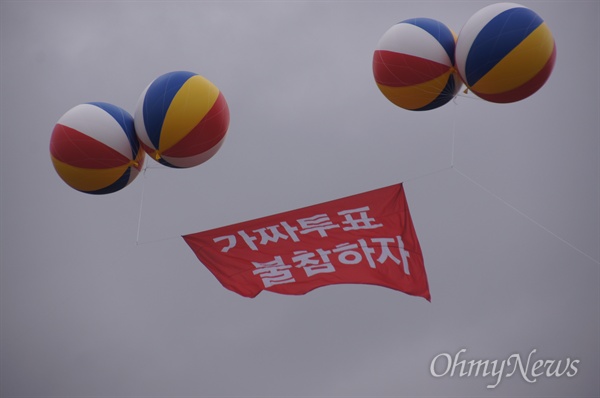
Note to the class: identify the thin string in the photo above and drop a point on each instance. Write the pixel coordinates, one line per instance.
(512, 207)
(428, 174)
(452, 151)
(598, 123)
(137, 238)
(453, 132)
(525, 215)
(421, 176)
(158, 240)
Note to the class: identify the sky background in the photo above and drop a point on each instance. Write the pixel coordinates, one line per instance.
(100, 296)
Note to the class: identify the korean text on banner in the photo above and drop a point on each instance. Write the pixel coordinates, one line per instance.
(368, 238)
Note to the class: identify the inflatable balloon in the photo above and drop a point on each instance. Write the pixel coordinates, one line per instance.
(413, 64)
(94, 148)
(181, 119)
(505, 53)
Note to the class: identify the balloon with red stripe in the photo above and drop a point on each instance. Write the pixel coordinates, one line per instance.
(181, 119)
(413, 64)
(94, 148)
(505, 52)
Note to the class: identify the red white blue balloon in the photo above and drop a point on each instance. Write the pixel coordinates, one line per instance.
(181, 119)
(413, 64)
(94, 149)
(505, 53)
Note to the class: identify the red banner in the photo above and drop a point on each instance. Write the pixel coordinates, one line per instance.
(367, 238)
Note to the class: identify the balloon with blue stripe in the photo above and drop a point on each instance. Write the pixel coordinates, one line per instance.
(94, 148)
(505, 52)
(181, 119)
(413, 64)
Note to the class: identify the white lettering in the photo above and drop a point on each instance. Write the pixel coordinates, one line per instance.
(364, 222)
(523, 369)
(536, 365)
(556, 372)
(230, 238)
(457, 362)
(320, 223)
(350, 256)
(529, 370)
(274, 272)
(274, 236)
(312, 266)
(573, 369)
(497, 373)
(448, 365)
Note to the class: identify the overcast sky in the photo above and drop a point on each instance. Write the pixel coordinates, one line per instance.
(100, 296)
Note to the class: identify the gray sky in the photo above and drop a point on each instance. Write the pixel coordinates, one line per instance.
(97, 300)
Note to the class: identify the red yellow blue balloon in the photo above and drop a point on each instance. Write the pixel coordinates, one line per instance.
(505, 52)
(94, 148)
(181, 119)
(413, 64)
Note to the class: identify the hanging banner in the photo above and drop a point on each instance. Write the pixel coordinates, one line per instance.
(367, 238)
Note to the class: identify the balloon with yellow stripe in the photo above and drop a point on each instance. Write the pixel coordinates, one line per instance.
(413, 64)
(94, 148)
(505, 52)
(181, 119)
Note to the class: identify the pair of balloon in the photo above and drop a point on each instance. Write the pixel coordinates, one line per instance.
(180, 120)
(504, 53)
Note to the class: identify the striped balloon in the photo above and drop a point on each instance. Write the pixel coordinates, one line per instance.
(413, 64)
(505, 53)
(94, 148)
(181, 119)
